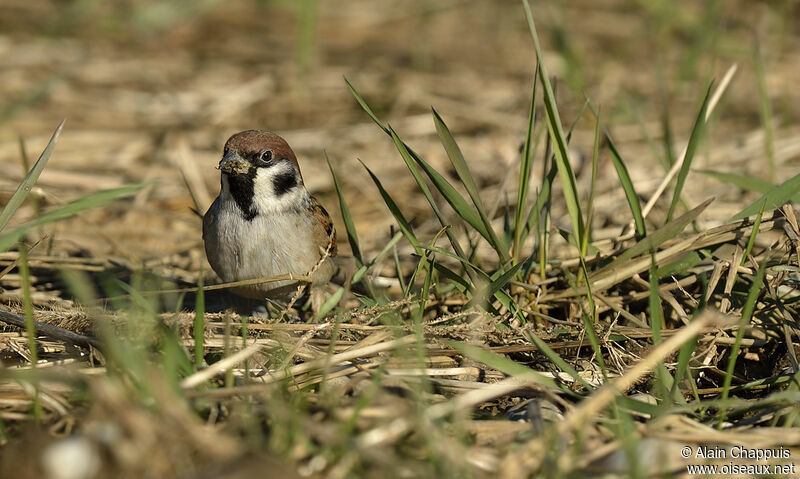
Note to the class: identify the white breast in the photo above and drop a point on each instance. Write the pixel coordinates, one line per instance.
(271, 244)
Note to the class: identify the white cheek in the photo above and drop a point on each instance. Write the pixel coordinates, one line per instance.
(265, 198)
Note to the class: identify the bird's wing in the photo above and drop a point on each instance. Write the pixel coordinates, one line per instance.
(326, 232)
(210, 217)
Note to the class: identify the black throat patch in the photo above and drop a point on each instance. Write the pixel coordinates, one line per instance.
(242, 188)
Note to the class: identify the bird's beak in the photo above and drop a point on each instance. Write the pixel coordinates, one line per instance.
(233, 164)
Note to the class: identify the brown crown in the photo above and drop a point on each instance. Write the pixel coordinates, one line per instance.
(253, 141)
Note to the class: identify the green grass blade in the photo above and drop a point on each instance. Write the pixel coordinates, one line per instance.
(753, 234)
(423, 300)
(457, 160)
(590, 319)
(468, 264)
(422, 264)
(405, 226)
(175, 360)
(409, 157)
(411, 163)
(587, 232)
(542, 220)
(542, 206)
(747, 314)
(542, 200)
(199, 325)
(556, 131)
(664, 381)
(30, 325)
(682, 371)
(745, 182)
(494, 361)
(627, 187)
(526, 164)
(460, 165)
(667, 138)
(91, 200)
(506, 300)
(26, 167)
(656, 238)
(694, 140)
(558, 360)
(398, 270)
(350, 227)
(464, 210)
(30, 179)
(507, 366)
(772, 199)
(460, 283)
(330, 303)
(500, 280)
(462, 259)
(498, 283)
(481, 285)
(625, 181)
(685, 262)
(366, 107)
(391, 244)
(765, 112)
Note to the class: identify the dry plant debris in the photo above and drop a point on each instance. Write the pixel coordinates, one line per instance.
(570, 352)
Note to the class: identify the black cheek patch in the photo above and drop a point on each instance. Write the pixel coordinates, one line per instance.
(283, 183)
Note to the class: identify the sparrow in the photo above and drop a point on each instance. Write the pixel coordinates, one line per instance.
(264, 223)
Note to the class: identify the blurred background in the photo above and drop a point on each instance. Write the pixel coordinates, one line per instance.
(152, 89)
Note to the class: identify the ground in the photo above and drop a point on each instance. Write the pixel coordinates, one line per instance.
(150, 92)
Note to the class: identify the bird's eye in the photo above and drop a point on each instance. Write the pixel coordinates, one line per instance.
(265, 156)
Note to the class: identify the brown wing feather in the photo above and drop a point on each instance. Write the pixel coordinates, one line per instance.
(327, 225)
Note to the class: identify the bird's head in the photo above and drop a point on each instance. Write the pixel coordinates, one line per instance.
(259, 167)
